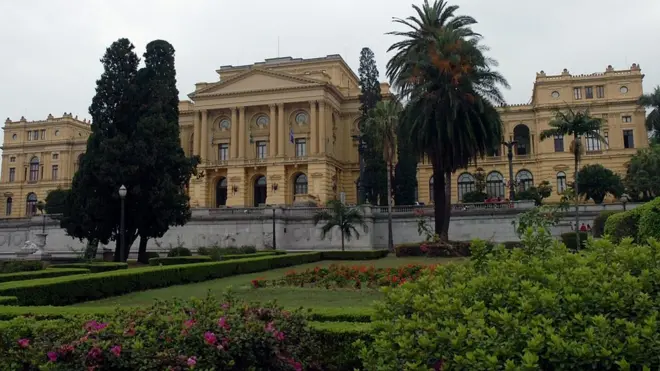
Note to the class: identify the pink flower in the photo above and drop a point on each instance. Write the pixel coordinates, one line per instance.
(225, 306)
(116, 350)
(95, 353)
(130, 332)
(279, 335)
(210, 338)
(95, 326)
(270, 327)
(189, 323)
(192, 361)
(293, 363)
(24, 343)
(52, 356)
(222, 322)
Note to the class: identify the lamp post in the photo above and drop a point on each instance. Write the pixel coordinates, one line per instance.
(274, 236)
(361, 148)
(624, 199)
(41, 206)
(509, 145)
(122, 232)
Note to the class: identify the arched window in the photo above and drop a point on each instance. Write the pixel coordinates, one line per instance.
(495, 184)
(300, 185)
(31, 204)
(561, 182)
(522, 137)
(431, 187)
(221, 192)
(260, 190)
(8, 206)
(34, 169)
(525, 180)
(466, 184)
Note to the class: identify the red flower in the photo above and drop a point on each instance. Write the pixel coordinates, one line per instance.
(116, 350)
(24, 343)
(210, 338)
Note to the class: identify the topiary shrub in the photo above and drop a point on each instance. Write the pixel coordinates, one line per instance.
(569, 239)
(474, 197)
(13, 266)
(175, 260)
(649, 221)
(542, 307)
(94, 267)
(598, 227)
(623, 225)
(179, 251)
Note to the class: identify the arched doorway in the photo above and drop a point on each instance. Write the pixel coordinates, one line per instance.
(466, 184)
(525, 180)
(259, 190)
(495, 184)
(300, 185)
(522, 137)
(31, 204)
(221, 192)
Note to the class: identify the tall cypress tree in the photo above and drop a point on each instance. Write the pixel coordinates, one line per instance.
(375, 172)
(92, 209)
(165, 170)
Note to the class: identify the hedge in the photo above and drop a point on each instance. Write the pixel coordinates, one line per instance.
(346, 314)
(459, 248)
(338, 339)
(354, 255)
(246, 256)
(12, 311)
(14, 266)
(176, 260)
(21, 276)
(598, 228)
(7, 300)
(570, 240)
(649, 221)
(70, 290)
(94, 267)
(622, 225)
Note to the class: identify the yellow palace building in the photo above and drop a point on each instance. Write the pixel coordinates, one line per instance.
(281, 132)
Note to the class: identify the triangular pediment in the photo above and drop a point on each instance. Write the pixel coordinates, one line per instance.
(256, 80)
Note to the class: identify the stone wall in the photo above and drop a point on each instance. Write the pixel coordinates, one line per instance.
(293, 229)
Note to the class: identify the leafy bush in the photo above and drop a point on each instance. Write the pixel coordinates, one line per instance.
(598, 228)
(474, 197)
(354, 255)
(180, 260)
(570, 240)
(458, 248)
(49, 313)
(202, 334)
(69, 290)
(649, 221)
(94, 267)
(13, 266)
(217, 252)
(21, 276)
(622, 225)
(541, 307)
(178, 251)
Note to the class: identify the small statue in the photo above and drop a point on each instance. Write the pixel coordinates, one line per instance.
(29, 247)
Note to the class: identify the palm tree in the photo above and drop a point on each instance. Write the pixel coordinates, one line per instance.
(383, 122)
(452, 91)
(653, 119)
(577, 124)
(339, 215)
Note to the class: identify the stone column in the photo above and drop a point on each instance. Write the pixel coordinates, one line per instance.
(233, 144)
(241, 132)
(204, 137)
(272, 140)
(312, 128)
(196, 133)
(283, 137)
(322, 128)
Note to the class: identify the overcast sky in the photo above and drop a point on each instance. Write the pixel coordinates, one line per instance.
(50, 50)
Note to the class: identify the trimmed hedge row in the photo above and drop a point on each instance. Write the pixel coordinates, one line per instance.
(354, 255)
(245, 256)
(14, 266)
(459, 248)
(338, 339)
(176, 260)
(95, 267)
(339, 315)
(31, 275)
(7, 300)
(69, 290)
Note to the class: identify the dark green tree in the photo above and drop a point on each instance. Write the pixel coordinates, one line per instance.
(375, 169)
(652, 101)
(405, 172)
(164, 168)
(56, 201)
(92, 210)
(440, 66)
(643, 174)
(596, 181)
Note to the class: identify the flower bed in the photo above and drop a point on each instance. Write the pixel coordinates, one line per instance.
(342, 276)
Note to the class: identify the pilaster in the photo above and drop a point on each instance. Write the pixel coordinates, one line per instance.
(322, 128)
(319, 178)
(277, 179)
(233, 144)
(241, 132)
(204, 137)
(196, 133)
(312, 128)
(236, 182)
(281, 145)
(272, 140)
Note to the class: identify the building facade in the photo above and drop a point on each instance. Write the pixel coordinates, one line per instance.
(611, 95)
(282, 132)
(38, 157)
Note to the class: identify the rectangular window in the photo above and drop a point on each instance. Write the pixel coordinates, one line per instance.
(593, 143)
(589, 92)
(12, 159)
(559, 143)
(223, 152)
(55, 172)
(301, 147)
(600, 91)
(607, 140)
(56, 156)
(628, 139)
(29, 135)
(261, 149)
(8, 206)
(561, 182)
(12, 174)
(577, 93)
(43, 134)
(626, 119)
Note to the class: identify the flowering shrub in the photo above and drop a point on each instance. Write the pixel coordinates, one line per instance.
(342, 276)
(201, 334)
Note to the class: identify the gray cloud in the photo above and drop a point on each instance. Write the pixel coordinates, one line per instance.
(50, 49)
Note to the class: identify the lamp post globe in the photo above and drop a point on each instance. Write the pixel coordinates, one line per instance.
(122, 241)
(122, 191)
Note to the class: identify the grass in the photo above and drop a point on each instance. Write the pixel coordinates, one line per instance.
(290, 297)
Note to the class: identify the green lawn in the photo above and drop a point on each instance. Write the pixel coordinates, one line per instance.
(290, 297)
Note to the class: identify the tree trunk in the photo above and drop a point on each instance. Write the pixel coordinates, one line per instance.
(447, 214)
(439, 208)
(390, 237)
(577, 202)
(342, 240)
(142, 250)
(130, 237)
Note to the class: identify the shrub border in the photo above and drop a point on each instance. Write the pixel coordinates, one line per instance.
(95, 267)
(45, 273)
